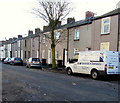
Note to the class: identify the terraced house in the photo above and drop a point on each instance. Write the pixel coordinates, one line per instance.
(92, 33)
(106, 31)
(61, 44)
(31, 44)
(16, 47)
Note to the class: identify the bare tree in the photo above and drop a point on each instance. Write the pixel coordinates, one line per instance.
(52, 12)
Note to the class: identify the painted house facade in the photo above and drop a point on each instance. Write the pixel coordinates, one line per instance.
(27, 46)
(79, 38)
(31, 45)
(61, 41)
(106, 31)
(2, 49)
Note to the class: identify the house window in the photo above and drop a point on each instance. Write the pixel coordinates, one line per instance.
(43, 53)
(105, 26)
(57, 35)
(33, 53)
(43, 39)
(105, 46)
(33, 42)
(77, 34)
(57, 54)
(28, 54)
(76, 50)
(25, 54)
(19, 43)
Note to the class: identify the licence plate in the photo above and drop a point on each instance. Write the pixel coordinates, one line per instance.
(110, 67)
(36, 62)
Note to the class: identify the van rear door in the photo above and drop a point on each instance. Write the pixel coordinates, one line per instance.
(112, 59)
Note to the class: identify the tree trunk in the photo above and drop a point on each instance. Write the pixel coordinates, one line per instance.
(53, 58)
(53, 49)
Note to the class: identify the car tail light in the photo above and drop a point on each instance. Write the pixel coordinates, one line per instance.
(105, 68)
(14, 60)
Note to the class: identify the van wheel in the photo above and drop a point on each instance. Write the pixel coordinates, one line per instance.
(69, 71)
(94, 74)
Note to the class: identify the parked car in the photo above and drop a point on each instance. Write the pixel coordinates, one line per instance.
(16, 61)
(7, 60)
(33, 62)
(3, 59)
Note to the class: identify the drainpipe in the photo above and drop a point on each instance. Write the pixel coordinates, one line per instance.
(20, 48)
(11, 51)
(67, 42)
(118, 32)
(39, 46)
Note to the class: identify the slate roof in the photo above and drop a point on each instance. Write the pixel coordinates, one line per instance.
(73, 24)
(14, 41)
(31, 36)
(79, 23)
(111, 13)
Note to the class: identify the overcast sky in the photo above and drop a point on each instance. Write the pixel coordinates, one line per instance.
(16, 19)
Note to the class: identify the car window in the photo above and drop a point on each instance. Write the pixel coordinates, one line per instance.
(29, 59)
(17, 58)
(6, 59)
(73, 60)
(35, 59)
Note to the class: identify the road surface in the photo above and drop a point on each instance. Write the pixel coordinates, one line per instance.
(22, 84)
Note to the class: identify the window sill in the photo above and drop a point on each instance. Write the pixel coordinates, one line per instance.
(105, 33)
(76, 39)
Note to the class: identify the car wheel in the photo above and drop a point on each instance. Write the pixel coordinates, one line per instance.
(13, 63)
(69, 71)
(29, 66)
(94, 74)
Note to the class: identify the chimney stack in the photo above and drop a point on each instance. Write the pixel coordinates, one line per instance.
(46, 28)
(19, 36)
(14, 38)
(89, 15)
(70, 20)
(59, 23)
(37, 30)
(30, 32)
(10, 39)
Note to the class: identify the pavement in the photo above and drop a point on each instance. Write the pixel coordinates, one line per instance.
(57, 70)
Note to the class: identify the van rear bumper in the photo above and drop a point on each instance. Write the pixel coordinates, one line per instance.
(102, 72)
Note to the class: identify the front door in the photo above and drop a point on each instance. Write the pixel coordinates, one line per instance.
(49, 56)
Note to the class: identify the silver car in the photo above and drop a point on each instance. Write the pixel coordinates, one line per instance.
(7, 60)
(33, 62)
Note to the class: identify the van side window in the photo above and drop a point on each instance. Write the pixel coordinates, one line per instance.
(101, 59)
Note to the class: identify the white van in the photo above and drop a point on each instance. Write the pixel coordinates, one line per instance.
(96, 63)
